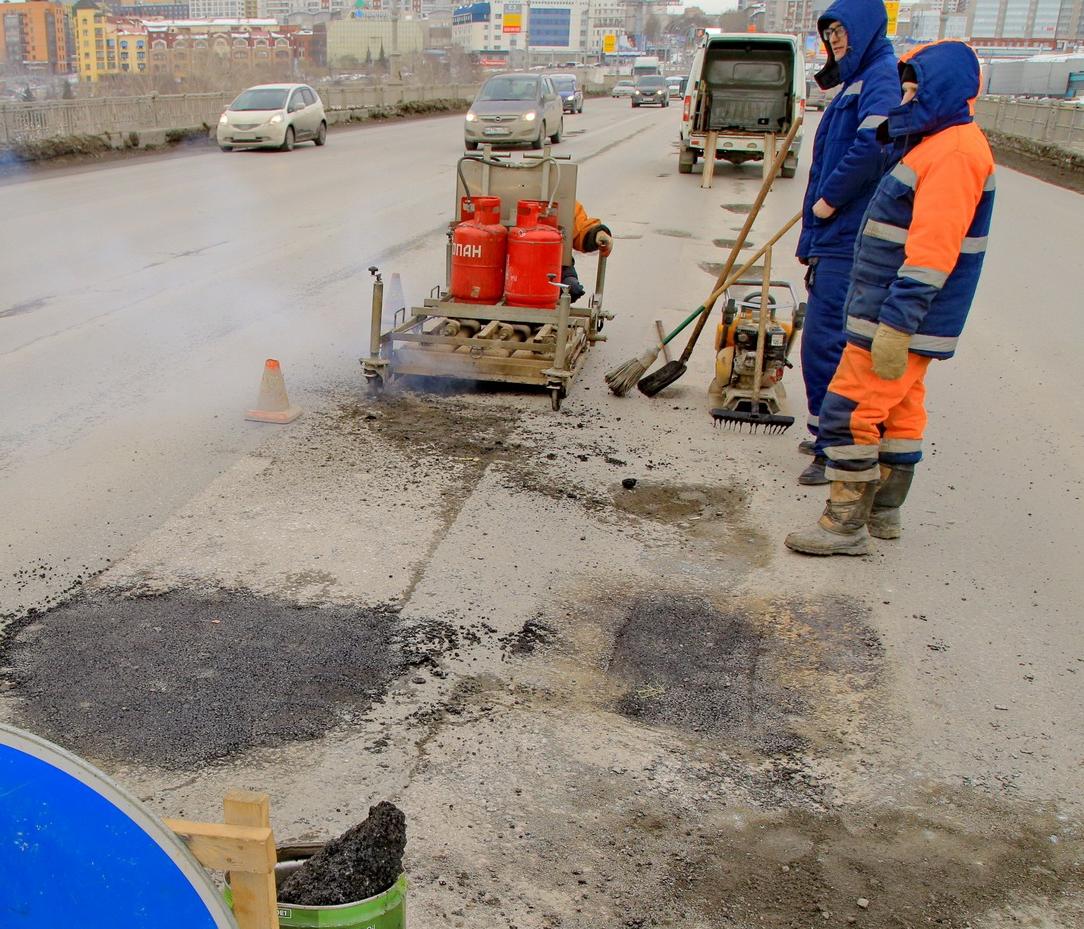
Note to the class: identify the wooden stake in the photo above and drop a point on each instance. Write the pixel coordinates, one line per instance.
(709, 159)
(244, 845)
(255, 900)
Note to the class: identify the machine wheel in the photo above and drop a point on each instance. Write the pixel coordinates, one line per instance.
(226, 148)
(321, 135)
(580, 108)
(635, 104)
(557, 394)
(471, 146)
(537, 143)
(374, 386)
(288, 141)
(686, 160)
(799, 318)
(556, 137)
(788, 170)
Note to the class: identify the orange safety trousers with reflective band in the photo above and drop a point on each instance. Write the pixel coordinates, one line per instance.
(866, 420)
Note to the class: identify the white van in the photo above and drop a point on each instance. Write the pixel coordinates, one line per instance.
(743, 86)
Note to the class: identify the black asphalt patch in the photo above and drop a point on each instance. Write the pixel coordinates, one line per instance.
(183, 679)
(742, 672)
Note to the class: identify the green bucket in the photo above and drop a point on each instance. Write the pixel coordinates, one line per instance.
(383, 911)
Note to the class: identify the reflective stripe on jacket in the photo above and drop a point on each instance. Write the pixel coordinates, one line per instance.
(923, 238)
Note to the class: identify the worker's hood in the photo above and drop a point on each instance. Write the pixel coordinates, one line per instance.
(866, 22)
(948, 82)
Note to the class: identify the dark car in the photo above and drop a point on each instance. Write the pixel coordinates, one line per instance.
(651, 89)
(568, 89)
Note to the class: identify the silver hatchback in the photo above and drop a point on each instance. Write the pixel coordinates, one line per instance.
(273, 116)
(513, 108)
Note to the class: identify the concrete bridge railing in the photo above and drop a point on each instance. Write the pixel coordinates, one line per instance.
(53, 119)
(1042, 122)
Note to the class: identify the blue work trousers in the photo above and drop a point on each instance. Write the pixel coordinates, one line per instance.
(823, 336)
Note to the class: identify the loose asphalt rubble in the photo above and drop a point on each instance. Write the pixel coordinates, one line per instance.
(582, 695)
(361, 863)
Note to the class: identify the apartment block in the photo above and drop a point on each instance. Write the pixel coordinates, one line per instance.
(1026, 23)
(33, 37)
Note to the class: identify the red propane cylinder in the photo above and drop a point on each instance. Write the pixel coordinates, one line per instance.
(479, 252)
(534, 259)
(534, 213)
(480, 209)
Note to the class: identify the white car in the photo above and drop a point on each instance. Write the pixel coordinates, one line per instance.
(623, 89)
(273, 116)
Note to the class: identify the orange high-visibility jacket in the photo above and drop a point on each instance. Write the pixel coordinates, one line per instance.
(923, 238)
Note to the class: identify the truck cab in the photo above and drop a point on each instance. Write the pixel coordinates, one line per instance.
(747, 88)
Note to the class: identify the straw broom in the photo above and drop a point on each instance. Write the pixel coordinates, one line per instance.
(625, 376)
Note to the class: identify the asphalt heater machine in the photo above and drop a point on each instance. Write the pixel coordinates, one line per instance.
(503, 313)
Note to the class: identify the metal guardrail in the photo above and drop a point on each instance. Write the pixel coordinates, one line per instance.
(1045, 122)
(22, 122)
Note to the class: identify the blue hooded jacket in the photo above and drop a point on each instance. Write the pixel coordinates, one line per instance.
(848, 160)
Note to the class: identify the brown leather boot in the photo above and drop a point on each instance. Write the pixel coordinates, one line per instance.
(842, 528)
(884, 518)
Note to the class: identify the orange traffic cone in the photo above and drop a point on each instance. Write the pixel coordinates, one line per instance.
(273, 406)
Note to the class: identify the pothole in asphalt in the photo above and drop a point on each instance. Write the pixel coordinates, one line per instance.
(948, 862)
(773, 676)
(715, 268)
(730, 243)
(434, 425)
(183, 679)
(737, 207)
(675, 233)
(714, 515)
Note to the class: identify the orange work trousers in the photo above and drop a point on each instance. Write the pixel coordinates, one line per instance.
(866, 421)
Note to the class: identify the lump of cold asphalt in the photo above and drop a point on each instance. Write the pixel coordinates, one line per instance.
(628, 483)
(364, 861)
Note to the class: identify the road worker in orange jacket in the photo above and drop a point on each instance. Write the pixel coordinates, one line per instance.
(588, 235)
(917, 261)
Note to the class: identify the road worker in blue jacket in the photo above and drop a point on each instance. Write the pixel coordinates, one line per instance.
(917, 262)
(848, 161)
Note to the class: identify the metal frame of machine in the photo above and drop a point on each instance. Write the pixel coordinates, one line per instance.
(449, 338)
(744, 388)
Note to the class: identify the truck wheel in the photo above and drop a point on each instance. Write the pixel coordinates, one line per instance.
(686, 160)
(788, 170)
(556, 137)
(537, 143)
(471, 146)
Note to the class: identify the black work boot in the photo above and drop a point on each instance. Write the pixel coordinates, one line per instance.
(842, 528)
(814, 472)
(884, 518)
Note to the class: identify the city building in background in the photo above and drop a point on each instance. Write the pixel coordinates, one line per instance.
(352, 43)
(151, 9)
(34, 37)
(1026, 23)
(183, 49)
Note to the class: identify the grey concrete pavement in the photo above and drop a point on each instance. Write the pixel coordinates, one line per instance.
(627, 704)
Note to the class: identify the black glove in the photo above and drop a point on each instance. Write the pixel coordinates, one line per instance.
(572, 281)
